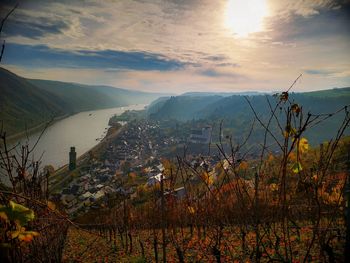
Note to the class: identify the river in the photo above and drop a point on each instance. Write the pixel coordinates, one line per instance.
(83, 130)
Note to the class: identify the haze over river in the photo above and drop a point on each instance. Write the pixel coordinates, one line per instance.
(80, 130)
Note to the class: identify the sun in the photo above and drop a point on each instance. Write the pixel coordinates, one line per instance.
(244, 17)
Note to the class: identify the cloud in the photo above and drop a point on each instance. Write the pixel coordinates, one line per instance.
(304, 8)
(34, 29)
(339, 73)
(43, 56)
(216, 58)
(227, 64)
(309, 20)
(211, 72)
(179, 43)
(319, 72)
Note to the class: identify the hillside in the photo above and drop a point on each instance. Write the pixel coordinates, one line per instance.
(237, 115)
(336, 92)
(86, 97)
(207, 105)
(77, 98)
(26, 103)
(21, 103)
(222, 94)
(181, 108)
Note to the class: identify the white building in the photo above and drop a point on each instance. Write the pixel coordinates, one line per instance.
(201, 135)
(98, 195)
(155, 179)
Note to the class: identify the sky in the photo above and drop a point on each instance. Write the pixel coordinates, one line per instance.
(177, 46)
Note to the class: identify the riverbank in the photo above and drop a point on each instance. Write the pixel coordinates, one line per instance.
(83, 130)
(40, 127)
(63, 176)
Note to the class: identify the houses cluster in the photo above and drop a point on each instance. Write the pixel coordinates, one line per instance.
(141, 142)
(135, 149)
(95, 182)
(132, 145)
(138, 148)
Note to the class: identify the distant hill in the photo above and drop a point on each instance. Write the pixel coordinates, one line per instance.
(237, 115)
(156, 105)
(181, 107)
(86, 97)
(187, 107)
(223, 94)
(21, 103)
(26, 103)
(336, 92)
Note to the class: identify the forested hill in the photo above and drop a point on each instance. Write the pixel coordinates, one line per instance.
(188, 107)
(237, 114)
(86, 96)
(26, 103)
(182, 107)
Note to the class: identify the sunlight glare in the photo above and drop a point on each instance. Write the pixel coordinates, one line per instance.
(244, 17)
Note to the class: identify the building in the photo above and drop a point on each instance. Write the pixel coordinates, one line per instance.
(201, 135)
(72, 159)
(178, 193)
(153, 180)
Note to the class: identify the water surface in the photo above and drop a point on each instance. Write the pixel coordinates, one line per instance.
(83, 131)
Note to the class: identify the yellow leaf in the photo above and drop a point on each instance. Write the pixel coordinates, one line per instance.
(51, 205)
(3, 216)
(207, 178)
(295, 108)
(190, 209)
(292, 156)
(297, 168)
(273, 187)
(17, 213)
(25, 238)
(243, 165)
(270, 158)
(23, 235)
(303, 145)
(289, 131)
(15, 234)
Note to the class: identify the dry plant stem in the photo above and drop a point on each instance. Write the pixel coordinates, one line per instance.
(1, 28)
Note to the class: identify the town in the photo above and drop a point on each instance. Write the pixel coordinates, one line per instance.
(136, 151)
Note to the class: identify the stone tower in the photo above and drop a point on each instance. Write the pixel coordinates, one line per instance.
(72, 159)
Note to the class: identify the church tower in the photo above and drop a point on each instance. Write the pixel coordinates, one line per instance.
(72, 159)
